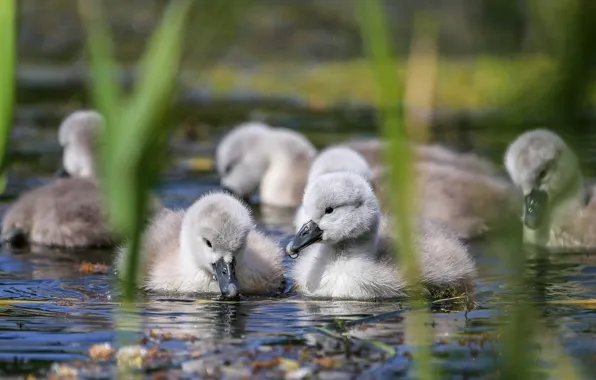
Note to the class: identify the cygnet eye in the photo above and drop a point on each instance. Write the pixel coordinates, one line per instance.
(230, 166)
(208, 243)
(328, 210)
(542, 174)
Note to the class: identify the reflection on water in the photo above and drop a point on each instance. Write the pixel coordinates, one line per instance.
(50, 310)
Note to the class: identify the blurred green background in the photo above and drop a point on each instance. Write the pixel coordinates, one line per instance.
(313, 48)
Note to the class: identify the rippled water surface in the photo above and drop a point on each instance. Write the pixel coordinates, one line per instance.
(51, 311)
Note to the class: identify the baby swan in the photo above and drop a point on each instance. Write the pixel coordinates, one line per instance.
(346, 256)
(274, 160)
(558, 211)
(330, 160)
(210, 248)
(66, 212)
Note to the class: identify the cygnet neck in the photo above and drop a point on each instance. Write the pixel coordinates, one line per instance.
(190, 255)
(79, 161)
(572, 199)
(361, 245)
(563, 208)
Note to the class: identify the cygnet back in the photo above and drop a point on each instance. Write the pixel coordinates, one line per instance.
(68, 211)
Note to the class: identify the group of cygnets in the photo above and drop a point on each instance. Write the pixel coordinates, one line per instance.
(344, 241)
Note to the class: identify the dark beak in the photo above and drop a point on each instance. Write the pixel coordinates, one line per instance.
(309, 233)
(61, 173)
(535, 204)
(225, 273)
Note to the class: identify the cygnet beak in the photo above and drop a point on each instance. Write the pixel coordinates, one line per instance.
(225, 273)
(61, 173)
(535, 205)
(309, 233)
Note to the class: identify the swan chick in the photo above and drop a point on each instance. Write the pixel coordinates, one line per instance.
(335, 159)
(66, 212)
(273, 160)
(557, 211)
(343, 255)
(212, 247)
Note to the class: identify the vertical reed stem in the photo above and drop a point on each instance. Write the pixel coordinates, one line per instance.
(7, 78)
(401, 174)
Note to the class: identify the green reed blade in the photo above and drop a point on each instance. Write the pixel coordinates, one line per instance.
(105, 87)
(7, 78)
(140, 124)
(135, 121)
(156, 80)
(401, 174)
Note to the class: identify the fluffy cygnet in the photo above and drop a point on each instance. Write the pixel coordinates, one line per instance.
(469, 203)
(558, 210)
(210, 248)
(343, 254)
(372, 151)
(66, 212)
(274, 160)
(330, 160)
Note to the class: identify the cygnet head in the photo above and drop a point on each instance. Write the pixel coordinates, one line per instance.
(214, 233)
(545, 169)
(241, 160)
(79, 135)
(340, 206)
(339, 159)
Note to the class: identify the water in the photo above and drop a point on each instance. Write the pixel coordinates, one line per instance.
(51, 311)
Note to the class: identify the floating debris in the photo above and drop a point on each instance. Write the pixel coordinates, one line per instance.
(101, 352)
(64, 302)
(90, 268)
(64, 371)
(131, 357)
(324, 362)
(300, 373)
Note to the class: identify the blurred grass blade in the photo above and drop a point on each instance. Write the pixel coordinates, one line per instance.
(156, 78)
(421, 79)
(141, 133)
(134, 123)
(105, 87)
(7, 78)
(564, 366)
(401, 174)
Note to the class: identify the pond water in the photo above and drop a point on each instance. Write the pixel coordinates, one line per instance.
(53, 311)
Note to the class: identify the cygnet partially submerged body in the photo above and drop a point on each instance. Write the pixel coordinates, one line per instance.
(469, 203)
(331, 160)
(66, 212)
(372, 151)
(274, 160)
(558, 210)
(210, 248)
(343, 254)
